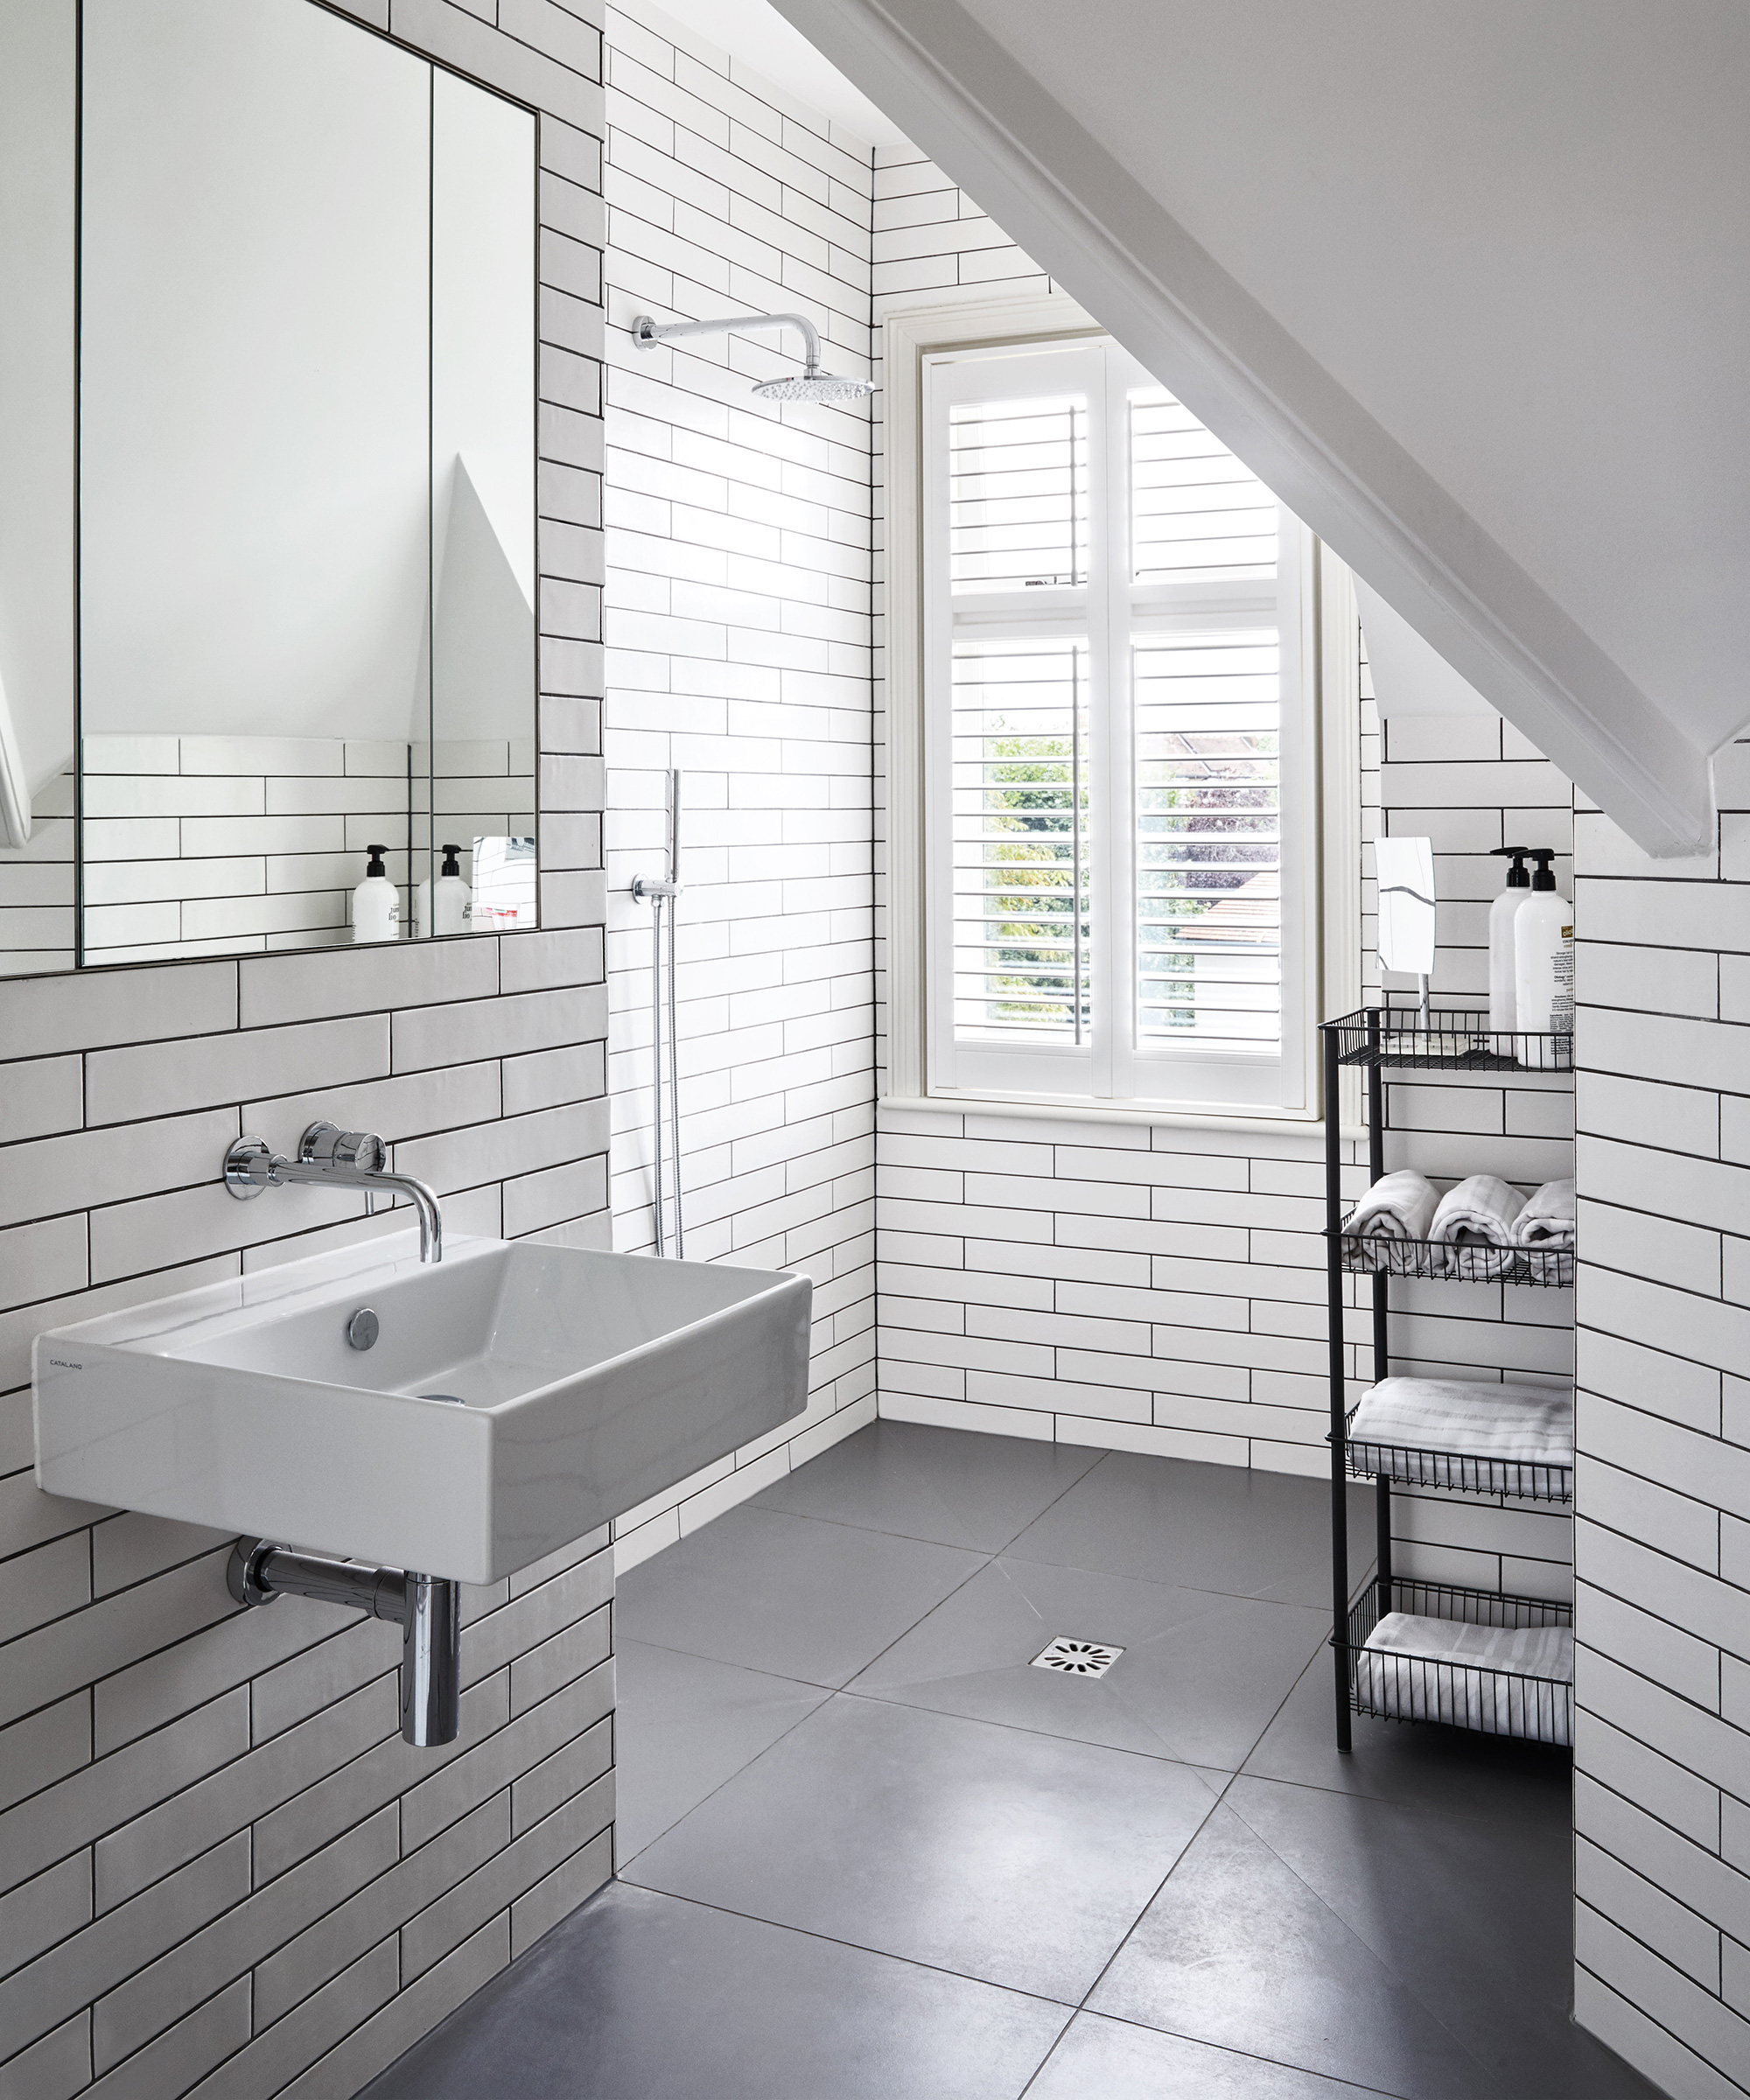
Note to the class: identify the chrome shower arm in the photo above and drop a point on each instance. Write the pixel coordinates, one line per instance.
(647, 333)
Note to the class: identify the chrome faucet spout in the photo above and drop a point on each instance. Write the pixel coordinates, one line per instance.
(424, 1198)
(330, 1158)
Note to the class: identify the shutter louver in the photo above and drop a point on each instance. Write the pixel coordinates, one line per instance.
(1021, 844)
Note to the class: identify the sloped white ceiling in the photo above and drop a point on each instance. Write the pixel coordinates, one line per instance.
(1469, 285)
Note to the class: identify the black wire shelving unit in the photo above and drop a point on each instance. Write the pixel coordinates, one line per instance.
(1390, 1684)
(1546, 1268)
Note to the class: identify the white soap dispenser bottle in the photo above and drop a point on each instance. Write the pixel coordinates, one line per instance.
(376, 902)
(1503, 1003)
(450, 896)
(1543, 962)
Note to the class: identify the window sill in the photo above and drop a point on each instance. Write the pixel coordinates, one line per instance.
(1261, 1126)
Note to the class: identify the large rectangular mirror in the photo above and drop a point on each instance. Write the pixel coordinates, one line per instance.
(267, 501)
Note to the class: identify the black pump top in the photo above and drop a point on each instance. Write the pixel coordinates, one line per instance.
(1546, 877)
(374, 865)
(1517, 877)
(451, 865)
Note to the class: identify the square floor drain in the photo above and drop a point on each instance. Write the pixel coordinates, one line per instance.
(1077, 1658)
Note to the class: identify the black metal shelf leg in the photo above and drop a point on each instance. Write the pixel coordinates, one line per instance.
(1339, 1507)
(1381, 1489)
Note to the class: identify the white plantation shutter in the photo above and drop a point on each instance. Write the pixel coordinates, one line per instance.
(1208, 842)
(1018, 494)
(1022, 941)
(1195, 510)
(1112, 624)
(1206, 725)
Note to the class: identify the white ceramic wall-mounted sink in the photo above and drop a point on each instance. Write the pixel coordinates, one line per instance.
(569, 1387)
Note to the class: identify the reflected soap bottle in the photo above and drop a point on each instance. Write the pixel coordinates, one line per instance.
(376, 902)
(450, 896)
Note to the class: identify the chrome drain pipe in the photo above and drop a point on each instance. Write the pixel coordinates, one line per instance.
(428, 1609)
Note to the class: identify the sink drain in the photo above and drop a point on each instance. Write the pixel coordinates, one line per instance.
(1077, 1658)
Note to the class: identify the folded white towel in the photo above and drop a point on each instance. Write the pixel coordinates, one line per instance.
(1548, 1218)
(1472, 1676)
(1398, 1207)
(1479, 1213)
(1484, 1432)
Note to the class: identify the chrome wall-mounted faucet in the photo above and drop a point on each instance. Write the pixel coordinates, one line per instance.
(330, 1158)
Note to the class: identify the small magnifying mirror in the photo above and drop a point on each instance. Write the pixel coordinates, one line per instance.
(1406, 910)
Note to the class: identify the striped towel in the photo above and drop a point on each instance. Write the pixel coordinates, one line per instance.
(1471, 1676)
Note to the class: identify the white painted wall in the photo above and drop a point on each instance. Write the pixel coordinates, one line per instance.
(1466, 287)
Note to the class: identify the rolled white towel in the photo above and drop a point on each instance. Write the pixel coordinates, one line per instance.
(1485, 1432)
(1503, 1680)
(1548, 1218)
(1479, 1213)
(1398, 1207)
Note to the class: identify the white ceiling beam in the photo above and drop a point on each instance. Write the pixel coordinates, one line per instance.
(998, 131)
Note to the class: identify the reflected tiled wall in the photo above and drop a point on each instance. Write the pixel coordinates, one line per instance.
(37, 887)
(222, 1872)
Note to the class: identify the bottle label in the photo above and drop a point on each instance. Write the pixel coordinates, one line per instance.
(1562, 1004)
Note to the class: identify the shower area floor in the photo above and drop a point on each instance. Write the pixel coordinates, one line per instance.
(867, 1849)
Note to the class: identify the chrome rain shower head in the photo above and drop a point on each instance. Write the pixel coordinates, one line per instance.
(816, 386)
(812, 385)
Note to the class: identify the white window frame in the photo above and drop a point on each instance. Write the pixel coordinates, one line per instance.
(1322, 831)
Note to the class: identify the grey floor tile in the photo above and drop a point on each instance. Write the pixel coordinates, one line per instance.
(1102, 2059)
(1449, 1770)
(639, 1997)
(683, 1724)
(1474, 1916)
(1237, 1950)
(789, 1594)
(1017, 1859)
(1205, 1527)
(1199, 1677)
(952, 1485)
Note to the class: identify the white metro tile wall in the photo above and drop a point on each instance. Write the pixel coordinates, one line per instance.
(221, 1872)
(738, 650)
(1164, 1289)
(931, 243)
(1663, 1545)
(1470, 784)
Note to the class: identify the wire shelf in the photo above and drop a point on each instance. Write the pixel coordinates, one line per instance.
(1442, 1261)
(1398, 1685)
(1457, 1039)
(1417, 1467)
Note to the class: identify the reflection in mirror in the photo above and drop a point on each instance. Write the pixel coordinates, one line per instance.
(38, 61)
(305, 422)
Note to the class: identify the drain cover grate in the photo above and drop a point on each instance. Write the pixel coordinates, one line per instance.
(1077, 1658)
